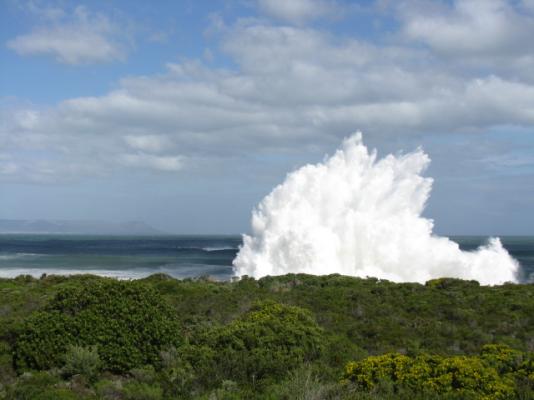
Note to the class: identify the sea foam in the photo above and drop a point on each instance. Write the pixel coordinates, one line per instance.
(355, 215)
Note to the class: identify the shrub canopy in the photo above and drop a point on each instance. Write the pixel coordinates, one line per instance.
(128, 322)
(492, 375)
(266, 342)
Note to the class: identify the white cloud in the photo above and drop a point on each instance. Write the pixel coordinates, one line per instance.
(293, 89)
(80, 38)
(470, 27)
(297, 11)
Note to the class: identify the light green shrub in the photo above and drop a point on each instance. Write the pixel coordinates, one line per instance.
(142, 391)
(82, 360)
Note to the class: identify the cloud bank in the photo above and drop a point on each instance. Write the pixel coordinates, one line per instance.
(289, 86)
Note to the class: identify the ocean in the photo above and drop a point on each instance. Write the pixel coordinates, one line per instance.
(181, 256)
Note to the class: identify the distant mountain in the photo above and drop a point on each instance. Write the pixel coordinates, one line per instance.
(76, 227)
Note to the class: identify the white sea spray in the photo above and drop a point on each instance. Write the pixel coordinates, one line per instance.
(355, 215)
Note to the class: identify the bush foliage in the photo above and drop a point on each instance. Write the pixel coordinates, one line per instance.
(81, 361)
(128, 322)
(263, 344)
(490, 376)
(287, 337)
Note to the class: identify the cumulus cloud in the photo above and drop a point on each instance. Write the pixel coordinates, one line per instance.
(292, 89)
(474, 35)
(471, 27)
(79, 38)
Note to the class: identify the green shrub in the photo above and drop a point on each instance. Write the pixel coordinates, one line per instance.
(38, 386)
(360, 317)
(43, 341)
(146, 374)
(501, 357)
(57, 394)
(128, 322)
(142, 391)
(451, 283)
(6, 364)
(82, 360)
(176, 374)
(300, 384)
(229, 390)
(263, 344)
(108, 389)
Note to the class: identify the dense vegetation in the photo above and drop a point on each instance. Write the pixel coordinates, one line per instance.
(127, 322)
(288, 337)
(493, 374)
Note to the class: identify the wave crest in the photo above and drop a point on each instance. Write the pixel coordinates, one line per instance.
(356, 215)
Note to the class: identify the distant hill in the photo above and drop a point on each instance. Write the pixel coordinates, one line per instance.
(76, 227)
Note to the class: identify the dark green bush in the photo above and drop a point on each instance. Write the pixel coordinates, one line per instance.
(451, 283)
(265, 343)
(128, 322)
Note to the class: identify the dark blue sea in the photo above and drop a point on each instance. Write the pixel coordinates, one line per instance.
(179, 256)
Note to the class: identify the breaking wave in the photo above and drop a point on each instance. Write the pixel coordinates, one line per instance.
(356, 215)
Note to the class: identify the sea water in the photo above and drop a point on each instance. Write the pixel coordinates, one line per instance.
(181, 256)
(123, 257)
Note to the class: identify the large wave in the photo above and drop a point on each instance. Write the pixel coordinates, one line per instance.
(355, 215)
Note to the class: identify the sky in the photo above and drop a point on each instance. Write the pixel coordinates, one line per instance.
(185, 114)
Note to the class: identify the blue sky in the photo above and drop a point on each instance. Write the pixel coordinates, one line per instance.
(184, 114)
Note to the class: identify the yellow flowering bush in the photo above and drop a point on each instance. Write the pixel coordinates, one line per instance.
(490, 376)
